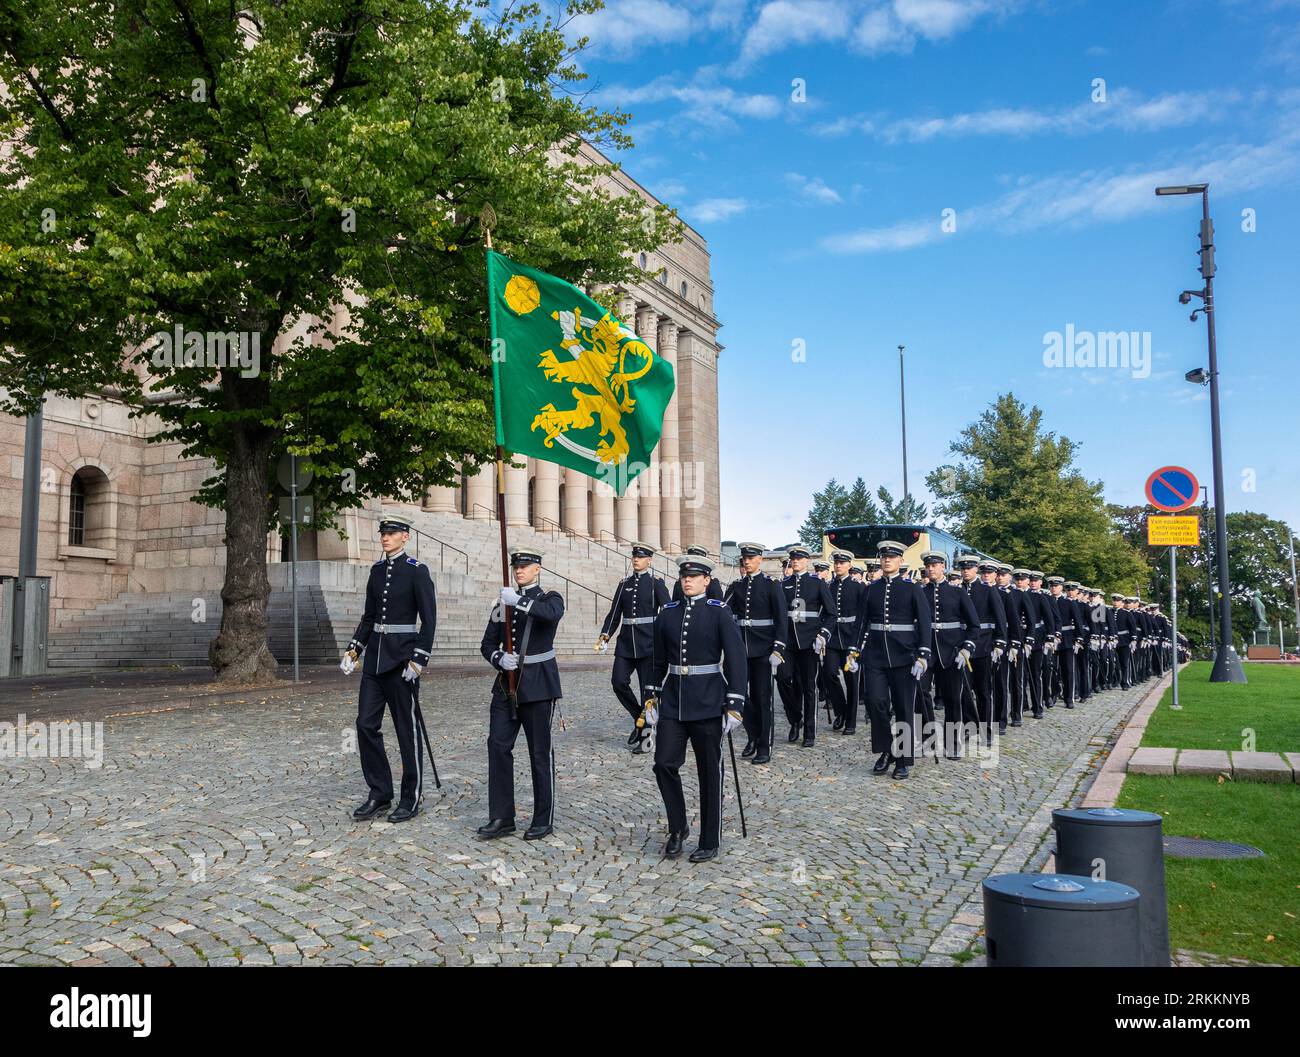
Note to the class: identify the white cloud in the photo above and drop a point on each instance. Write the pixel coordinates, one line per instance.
(703, 101)
(628, 26)
(1080, 199)
(783, 23)
(716, 210)
(813, 189)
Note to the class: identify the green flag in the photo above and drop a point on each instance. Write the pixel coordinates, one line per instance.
(574, 385)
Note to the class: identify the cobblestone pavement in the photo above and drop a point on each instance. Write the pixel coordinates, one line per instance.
(220, 834)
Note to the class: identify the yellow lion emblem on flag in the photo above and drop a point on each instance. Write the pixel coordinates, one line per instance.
(602, 389)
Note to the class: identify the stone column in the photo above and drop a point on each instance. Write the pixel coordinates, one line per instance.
(602, 512)
(627, 522)
(546, 495)
(647, 326)
(669, 455)
(516, 494)
(440, 499)
(481, 492)
(576, 486)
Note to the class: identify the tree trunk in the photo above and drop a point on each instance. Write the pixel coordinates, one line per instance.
(240, 653)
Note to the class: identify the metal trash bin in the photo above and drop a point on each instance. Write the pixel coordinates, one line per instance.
(1116, 844)
(1033, 919)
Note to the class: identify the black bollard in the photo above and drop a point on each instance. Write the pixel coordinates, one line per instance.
(1038, 920)
(1116, 844)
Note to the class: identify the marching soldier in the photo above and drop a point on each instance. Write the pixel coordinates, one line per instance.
(858, 573)
(812, 614)
(398, 593)
(847, 594)
(699, 697)
(632, 613)
(531, 704)
(873, 568)
(758, 604)
(1123, 640)
(1068, 635)
(823, 570)
(1097, 640)
(1083, 623)
(991, 643)
(714, 589)
(895, 650)
(1020, 644)
(954, 628)
(1034, 625)
(1051, 635)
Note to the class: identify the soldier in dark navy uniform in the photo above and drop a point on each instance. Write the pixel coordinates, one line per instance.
(847, 595)
(954, 629)
(637, 599)
(536, 616)
(398, 594)
(811, 616)
(1048, 639)
(990, 645)
(895, 649)
(699, 697)
(715, 587)
(1016, 661)
(1068, 631)
(758, 604)
(1035, 628)
(1083, 624)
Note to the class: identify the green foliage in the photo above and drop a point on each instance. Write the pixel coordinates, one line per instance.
(906, 511)
(236, 168)
(828, 505)
(835, 505)
(1016, 494)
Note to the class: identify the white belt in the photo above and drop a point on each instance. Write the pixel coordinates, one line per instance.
(638, 620)
(847, 620)
(948, 625)
(988, 627)
(695, 669)
(537, 658)
(761, 623)
(804, 614)
(891, 627)
(1039, 624)
(396, 629)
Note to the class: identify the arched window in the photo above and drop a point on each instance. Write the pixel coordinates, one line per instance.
(643, 261)
(684, 291)
(663, 276)
(77, 512)
(90, 520)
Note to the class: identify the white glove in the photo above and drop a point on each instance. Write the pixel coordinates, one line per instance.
(851, 665)
(997, 653)
(411, 672)
(918, 669)
(819, 645)
(510, 597)
(1078, 646)
(774, 659)
(602, 646)
(1049, 646)
(963, 658)
(730, 721)
(1013, 654)
(508, 662)
(651, 713)
(1029, 647)
(349, 663)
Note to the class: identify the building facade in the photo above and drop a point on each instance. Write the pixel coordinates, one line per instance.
(117, 514)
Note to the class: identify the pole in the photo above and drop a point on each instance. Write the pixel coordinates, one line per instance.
(31, 511)
(902, 402)
(293, 560)
(1209, 566)
(735, 773)
(512, 678)
(1227, 665)
(1173, 617)
(1295, 587)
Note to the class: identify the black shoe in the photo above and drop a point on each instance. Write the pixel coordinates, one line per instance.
(640, 747)
(498, 827)
(749, 749)
(703, 854)
(370, 809)
(882, 764)
(1069, 706)
(808, 742)
(838, 724)
(676, 841)
(762, 756)
(947, 756)
(634, 737)
(1016, 723)
(537, 831)
(1038, 714)
(1002, 728)
(901, 771)
(794, 733)
(404, 813)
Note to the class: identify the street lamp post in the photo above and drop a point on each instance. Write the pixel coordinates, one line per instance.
(1227, 665)
(902, 403)
(1209, 563)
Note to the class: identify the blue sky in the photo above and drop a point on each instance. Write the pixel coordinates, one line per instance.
(825, 216)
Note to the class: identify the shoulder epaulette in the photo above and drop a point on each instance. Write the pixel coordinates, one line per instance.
(669, 605)
(412, 561)
(715, 601)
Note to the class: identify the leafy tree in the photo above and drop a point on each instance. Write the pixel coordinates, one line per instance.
(906, 511)
(1016, 494)
(859, 508)
(250, 169)
(827, 511)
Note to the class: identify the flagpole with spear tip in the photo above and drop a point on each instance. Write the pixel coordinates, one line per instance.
(487, 221)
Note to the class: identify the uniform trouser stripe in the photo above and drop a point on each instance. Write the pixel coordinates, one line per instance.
(758, 709)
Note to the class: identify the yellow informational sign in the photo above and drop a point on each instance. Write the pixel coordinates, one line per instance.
(1174, 531)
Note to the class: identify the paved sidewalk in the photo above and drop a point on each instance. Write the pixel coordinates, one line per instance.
(219, 833)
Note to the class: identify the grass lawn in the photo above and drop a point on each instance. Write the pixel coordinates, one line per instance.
(1244, 909)
(1215, 714)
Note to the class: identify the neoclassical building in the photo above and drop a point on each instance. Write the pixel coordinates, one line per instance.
(116, 509)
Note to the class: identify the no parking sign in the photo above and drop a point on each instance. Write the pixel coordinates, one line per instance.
(1172, 488)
